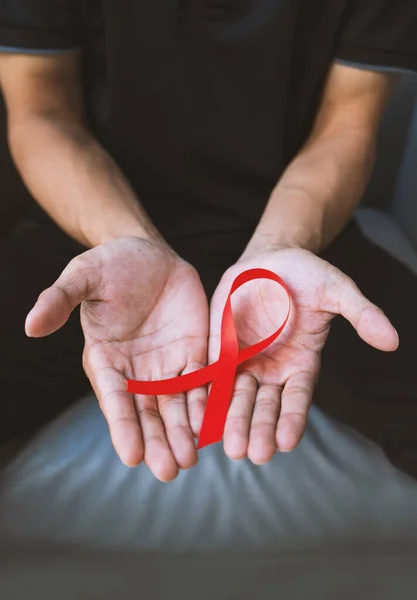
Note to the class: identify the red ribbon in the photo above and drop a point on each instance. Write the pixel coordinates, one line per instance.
(221, 373)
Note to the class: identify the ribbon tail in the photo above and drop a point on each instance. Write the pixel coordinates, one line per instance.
(215, 416)
(221, 391)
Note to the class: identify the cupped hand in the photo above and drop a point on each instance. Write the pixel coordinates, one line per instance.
(273, 390)
(144, 315)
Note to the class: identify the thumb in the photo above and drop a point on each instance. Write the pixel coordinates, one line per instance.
(54, 306)
(370, 322)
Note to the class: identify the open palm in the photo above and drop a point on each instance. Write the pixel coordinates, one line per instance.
(273, 390)
(144, 316)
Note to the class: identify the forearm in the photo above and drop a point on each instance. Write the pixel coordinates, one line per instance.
(76, 181)
(319, 191)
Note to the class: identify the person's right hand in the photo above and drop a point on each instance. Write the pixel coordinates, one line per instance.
(144, 315)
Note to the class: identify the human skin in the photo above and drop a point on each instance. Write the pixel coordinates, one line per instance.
(311, 203)
(143, 309)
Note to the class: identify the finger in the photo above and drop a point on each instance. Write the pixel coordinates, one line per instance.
(371, 324)
(158, 454)
(119, 410)
(173, 410)
(236, 431)
(55, 304)
(262, 445)
(196, 401)
(295, 402)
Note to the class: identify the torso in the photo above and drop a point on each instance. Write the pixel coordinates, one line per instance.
(204, 103)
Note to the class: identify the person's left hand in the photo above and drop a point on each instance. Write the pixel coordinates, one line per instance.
(273, 390)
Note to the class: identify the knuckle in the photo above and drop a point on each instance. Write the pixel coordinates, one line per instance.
(298, 390)
(149, 412)
(172, 401)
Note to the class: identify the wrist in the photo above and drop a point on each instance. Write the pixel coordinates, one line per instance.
(292, 219)
(264, 241)
(129, 226)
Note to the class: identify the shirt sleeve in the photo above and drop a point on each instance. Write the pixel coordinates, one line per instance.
(40, 25)
(380, 33)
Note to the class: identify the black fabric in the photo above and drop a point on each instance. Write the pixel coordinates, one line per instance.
(38, 377)
(43, 24)
(381, 32)
(374, 392)
(203, 103)
(14, 199)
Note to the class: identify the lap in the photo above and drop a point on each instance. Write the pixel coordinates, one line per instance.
(38, 377)
(374, 392)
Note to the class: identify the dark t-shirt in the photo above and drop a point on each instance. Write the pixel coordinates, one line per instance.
(203, 103)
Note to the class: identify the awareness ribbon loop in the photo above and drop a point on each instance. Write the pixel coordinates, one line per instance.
(222, 372)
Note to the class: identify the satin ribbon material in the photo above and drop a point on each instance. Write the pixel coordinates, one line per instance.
(221, 373)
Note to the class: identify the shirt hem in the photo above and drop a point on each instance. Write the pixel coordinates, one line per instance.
(39, 39)
(378, 58)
